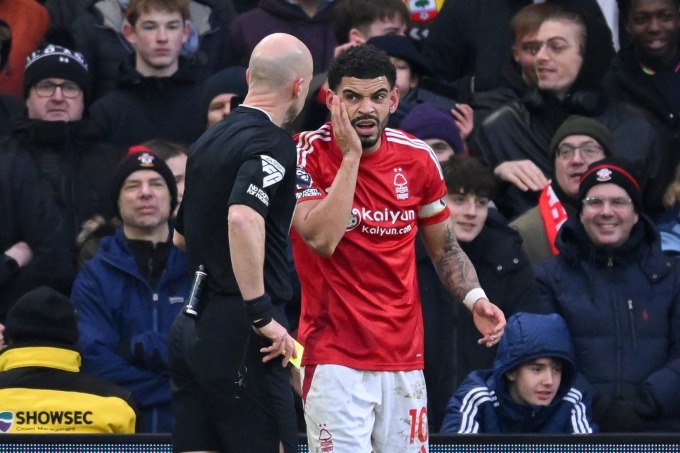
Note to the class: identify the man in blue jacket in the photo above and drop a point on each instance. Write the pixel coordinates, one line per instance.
(129, 294)
(620, 297)
(530, 388)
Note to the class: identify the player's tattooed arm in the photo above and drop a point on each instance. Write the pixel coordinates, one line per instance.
(454, 267)
(459, 276)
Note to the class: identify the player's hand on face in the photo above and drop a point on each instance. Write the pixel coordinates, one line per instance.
(489, 320)
(345, 135)
(282, 343)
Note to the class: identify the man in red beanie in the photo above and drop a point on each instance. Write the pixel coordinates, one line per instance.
(131, 291)
(620, 297)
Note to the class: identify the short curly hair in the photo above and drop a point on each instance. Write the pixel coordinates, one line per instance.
(362, 62)
(467, 175)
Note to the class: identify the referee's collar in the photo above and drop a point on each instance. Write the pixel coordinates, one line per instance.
(257, 108)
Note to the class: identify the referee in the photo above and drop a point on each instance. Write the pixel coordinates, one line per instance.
(230, 387)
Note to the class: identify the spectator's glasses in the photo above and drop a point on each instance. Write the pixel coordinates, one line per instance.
(553, 46)
(46, 89)
(616, 203)
(588, 151)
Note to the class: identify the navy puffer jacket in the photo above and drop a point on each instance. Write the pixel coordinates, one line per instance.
(622, 307)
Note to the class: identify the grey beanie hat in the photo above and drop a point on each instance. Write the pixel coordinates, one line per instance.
(582, 125)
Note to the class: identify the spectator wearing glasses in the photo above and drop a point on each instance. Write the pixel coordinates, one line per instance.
(571, 60)
(519, 74)
(579, 142)
(620, 296)
(74, 165)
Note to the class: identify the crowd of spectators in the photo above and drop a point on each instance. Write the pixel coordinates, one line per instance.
(556, 126)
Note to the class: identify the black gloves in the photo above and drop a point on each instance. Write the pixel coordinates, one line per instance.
(632, 411)
(148, 350)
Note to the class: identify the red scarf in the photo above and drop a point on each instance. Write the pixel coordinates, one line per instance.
(553, 215)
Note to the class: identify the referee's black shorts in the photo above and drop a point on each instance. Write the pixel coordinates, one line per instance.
(211, 412)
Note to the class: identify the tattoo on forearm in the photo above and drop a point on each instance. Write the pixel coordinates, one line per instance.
(455, 269)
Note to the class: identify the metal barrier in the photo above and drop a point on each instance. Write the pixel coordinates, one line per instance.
(481, 443)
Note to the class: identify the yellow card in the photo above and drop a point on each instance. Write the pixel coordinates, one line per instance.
(299, 349)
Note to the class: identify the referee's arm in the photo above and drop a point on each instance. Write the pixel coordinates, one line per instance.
(246, 244)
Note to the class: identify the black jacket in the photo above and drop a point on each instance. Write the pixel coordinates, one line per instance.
(523, 129)
(281, 16)
(627, 82)
(75, 167)
(471, 38)
(144, 108)
(10, 108)
(28, 215)
(511, 88)
(98, 37)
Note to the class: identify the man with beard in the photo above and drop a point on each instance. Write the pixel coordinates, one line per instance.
(231, 390)
(363, 192)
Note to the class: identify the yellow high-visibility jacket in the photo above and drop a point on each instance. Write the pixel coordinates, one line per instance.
(42, 391)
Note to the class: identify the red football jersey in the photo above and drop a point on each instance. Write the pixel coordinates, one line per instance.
(361, 306)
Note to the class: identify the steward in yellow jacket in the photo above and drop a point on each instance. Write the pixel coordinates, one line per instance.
(41, 387)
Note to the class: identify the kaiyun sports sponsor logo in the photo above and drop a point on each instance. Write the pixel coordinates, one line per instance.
(360, 216)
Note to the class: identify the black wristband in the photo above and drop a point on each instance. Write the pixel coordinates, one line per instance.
(259, 310)
(260, 323)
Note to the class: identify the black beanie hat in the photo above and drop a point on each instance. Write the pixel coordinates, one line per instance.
(59, 62)
(142, 158)
(611, 170)
(229, 80)
(42, 314)
(402, 47)
(582, 125)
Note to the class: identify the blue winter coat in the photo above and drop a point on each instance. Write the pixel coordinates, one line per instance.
(622, 307)
(669, 230)
(123, 320)
(483, 404)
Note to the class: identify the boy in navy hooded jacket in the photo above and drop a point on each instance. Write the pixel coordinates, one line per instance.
(530, 388)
